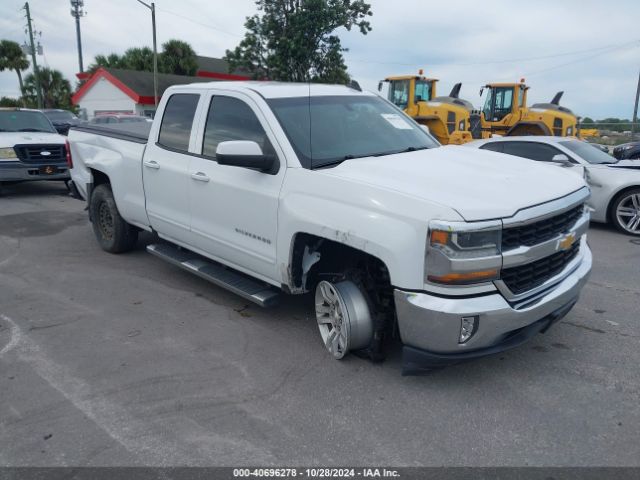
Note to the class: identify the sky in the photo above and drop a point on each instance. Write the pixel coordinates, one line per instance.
(588, 48)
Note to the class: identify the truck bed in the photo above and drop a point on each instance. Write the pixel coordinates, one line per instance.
(134, 132)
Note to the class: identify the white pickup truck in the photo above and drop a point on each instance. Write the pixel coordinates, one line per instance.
(264, 188)
(30, 147)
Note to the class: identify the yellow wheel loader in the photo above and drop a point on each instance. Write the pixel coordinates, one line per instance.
(454, 121)
(448, 118)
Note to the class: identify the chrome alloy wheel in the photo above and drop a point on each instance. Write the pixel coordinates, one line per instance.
(628, 213)
(343, 317)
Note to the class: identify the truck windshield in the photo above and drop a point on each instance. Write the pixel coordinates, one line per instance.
(24, 121)
(326, 130)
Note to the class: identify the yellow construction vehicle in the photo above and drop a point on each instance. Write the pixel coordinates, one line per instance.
(589, 132)
(505, 112)
(448, 118)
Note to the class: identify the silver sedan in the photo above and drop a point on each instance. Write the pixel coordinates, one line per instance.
(615, 184)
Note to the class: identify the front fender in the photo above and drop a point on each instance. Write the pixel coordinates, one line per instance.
(387, 225)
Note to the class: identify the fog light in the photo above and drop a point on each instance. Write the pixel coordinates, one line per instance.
(468, 326)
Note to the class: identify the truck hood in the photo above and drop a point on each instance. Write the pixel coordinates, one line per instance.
(479, 185)
(9, 139)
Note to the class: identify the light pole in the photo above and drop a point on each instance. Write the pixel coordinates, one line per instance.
(634, 120)
(152, 7)
(77, 12)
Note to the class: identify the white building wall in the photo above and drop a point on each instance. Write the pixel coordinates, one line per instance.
(103, 96)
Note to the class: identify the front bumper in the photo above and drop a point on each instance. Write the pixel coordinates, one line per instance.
(18, 171)
(429, 325)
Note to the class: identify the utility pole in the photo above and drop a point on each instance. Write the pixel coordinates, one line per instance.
(36, 74)
(77, 12)
(635, 111)
(152, 7)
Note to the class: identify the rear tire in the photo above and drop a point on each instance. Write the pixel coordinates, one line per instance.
(113, 234)
(625, 212)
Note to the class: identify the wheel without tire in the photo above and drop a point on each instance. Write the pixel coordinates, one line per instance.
(343, 317)
(113, 233)
(625, 212)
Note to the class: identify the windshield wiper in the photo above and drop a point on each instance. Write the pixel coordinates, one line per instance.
(338, 161)
(405, 150)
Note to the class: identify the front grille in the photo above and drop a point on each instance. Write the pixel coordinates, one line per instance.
(34, 153)
(540, 231)
(523, 278)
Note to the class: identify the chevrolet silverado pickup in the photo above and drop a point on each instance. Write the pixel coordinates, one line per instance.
(267, 188)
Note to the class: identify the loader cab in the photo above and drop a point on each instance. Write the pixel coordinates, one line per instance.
(406, 91)
(503, 99)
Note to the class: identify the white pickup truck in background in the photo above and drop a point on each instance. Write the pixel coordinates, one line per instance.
(30, 147)
(265, 188)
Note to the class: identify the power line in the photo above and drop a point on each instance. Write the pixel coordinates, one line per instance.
(211, 27)
(580, 60)
(512, 60)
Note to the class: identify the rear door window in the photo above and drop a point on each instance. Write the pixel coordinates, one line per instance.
(177, 120)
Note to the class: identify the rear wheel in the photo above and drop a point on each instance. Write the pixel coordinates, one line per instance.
(113, 234)
(625, 212)
(343, 316)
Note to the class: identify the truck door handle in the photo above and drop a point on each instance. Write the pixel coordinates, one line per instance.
(200, 177)
(152, 164)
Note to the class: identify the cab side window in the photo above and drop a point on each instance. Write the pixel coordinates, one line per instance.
(232, 119)
(177, 121)
(531, 150)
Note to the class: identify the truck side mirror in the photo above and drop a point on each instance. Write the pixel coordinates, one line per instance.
(380, 86)
(425, 128)
(561, 159)
(246, 154)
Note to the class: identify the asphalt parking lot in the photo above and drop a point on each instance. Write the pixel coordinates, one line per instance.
(125, 360)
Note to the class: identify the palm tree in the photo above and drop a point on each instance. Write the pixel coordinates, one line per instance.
(13, 58)
(56, 90)
(178, 57)
(113, 60)
(138, 59)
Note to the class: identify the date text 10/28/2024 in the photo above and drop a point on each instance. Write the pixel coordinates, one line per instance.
(315, 473)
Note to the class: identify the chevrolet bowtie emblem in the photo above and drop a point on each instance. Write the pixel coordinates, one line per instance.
(566, 242)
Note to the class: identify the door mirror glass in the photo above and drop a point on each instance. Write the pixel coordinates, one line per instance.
(244, 153)
(561, 159)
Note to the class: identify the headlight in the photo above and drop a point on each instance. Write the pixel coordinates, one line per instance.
(7, 153)
(463, 253)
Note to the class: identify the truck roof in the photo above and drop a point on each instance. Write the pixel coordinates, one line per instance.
(269, 89)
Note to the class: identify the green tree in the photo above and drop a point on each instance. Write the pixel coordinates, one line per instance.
(10, 102)
(112, 60)
(177, 57)
(13, 58)
(56, 90)
(587, 121)
(137, 59)
(294, 40)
